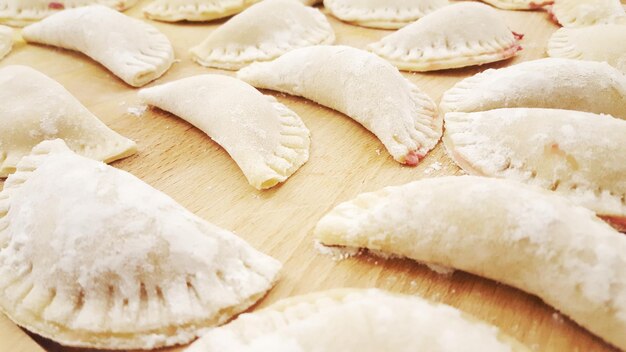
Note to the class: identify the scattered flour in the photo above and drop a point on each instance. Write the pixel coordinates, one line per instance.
(336, 253)
(137, 111)
(436, 166)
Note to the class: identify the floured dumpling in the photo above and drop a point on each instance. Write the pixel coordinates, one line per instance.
(6, 40)
(523, 236)
(387, 14)
(356, 320)
(133, 50)
(518, 4)
(23, 12)
(580, 13)
(361, 85)
(578, 154)
(91, 256)
(547, 83)
(602, 42)
(459, 35)
(194, 10)
(263, 32)
(268, 141)
(35, 108)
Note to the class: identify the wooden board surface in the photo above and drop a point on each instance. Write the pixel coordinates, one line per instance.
(345, 160)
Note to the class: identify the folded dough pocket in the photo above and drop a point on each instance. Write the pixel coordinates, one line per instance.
(91, 256)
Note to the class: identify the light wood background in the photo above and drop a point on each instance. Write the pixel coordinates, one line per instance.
(346, 160)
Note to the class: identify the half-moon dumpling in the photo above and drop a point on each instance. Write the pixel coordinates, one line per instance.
(263, 32)
(23, 12)
(520, 235)
(580, 13)
(6, 40)
(518, 4)
(361, 85)
(578, 154)
(91, 256)
(387, 14)
(194, 10)
(356, 320)
(547, 83)
(133, 50)
(459, 35)
(602, 42)
(268, 141)
(35, 108)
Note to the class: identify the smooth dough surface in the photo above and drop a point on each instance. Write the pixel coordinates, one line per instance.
(459, 35)
(356, 320)
(581, 13)
(263, 32)
(546, 83)
(133, 50)
(35, 108)
(577, 154)
(602, 42)
(386, 14)
(6, 40)
(91, 256)
(194, 10)
(23, 12)
(523, 236)
(362, 86)
(268, 141)
(518, 4)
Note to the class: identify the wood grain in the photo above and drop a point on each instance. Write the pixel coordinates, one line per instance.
(345, 160)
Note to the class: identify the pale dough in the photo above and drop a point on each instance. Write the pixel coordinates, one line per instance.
(23, 12)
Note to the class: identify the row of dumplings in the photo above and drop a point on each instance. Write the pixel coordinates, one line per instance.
(386, 14)
(458, 35)
(163, 276)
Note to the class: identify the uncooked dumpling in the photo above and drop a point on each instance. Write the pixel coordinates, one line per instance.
(581, 13)
(6, 41)
(23, 12)
(602, 42)
(194, 10)
(520, 235)
(518, 4)
(35, 108)
(459, 35)
(91, 256)
(577, 154)
(268, 141)
(547, 83)
(262, 33)
(361, 85)
(356, 320)
(133, 50)
(386, 14)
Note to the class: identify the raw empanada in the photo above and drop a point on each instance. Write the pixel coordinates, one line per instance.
(268, 141)
(356, 320)
(91, 256)
(520, 235)
(547, 83)
(578, 154)
(35, 108)
(194, 10)
(602, 42)
(133, 50)
(263, 32)
(6, 40)
(387, 14)
(518, 4)
(580, 13)
(23, 12)
(459, 35)
(361, 85)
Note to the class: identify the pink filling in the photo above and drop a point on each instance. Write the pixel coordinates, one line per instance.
(56, 6)
(413, 158)
(538, 5)
(619, 223)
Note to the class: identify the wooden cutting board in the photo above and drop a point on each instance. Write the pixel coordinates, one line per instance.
(346, 160)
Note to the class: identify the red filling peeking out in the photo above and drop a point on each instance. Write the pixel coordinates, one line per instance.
(413, 158)
(56, 6)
